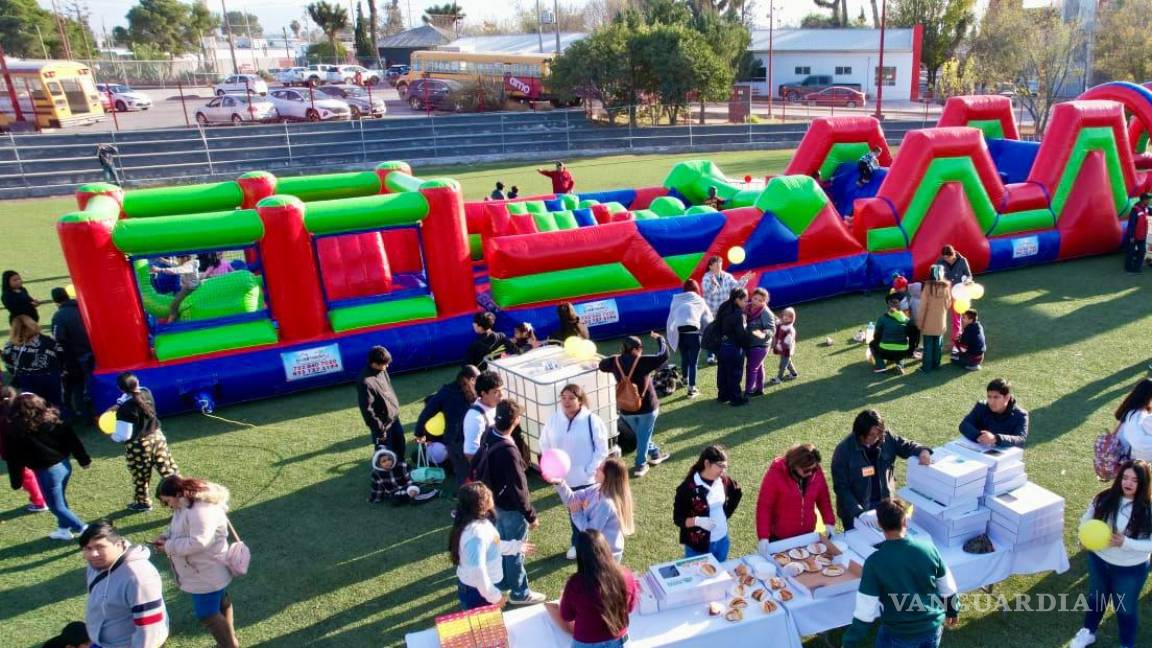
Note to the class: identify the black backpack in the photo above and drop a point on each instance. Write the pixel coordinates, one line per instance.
(711, 339)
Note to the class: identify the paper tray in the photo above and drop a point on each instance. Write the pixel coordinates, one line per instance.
(818, 586)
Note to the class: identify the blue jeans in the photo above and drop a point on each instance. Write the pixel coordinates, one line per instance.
(690, 355)
(718, 549)
(1120, 586)
(512, 526)
(643, 425)
(470, 597)
(53, 482)
(885, 639)
(611, 643)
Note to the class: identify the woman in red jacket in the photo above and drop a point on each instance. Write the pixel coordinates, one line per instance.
(792, 489)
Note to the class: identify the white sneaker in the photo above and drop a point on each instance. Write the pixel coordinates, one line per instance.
(1083, 638)
(533, 598)
(61, 534)
(571, 555)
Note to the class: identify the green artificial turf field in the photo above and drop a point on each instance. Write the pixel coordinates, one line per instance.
(330, 569)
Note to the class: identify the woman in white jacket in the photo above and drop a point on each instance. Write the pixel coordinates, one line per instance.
(581, 434)
(197, 544)
(1117, 573)
(1135, 420)
(477, 550)
(687, 318)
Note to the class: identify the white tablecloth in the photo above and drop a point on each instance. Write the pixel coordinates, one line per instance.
(530, 627)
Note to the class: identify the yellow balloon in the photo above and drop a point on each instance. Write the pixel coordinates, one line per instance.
(71, 290)
(588, 349)
(573, 345)
(435, 425)
(975, 291)
(107, 422)
(736, 255)
(1095, 535)
(961, 305)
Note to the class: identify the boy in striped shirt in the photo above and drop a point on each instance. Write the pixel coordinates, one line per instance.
(125, 595)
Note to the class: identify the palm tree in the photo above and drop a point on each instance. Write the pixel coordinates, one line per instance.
(447, 16)
(331, 19)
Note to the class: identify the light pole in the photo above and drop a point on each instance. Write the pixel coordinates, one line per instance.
(556, 20)
(539, 27)
(771, 30)
(880, 68)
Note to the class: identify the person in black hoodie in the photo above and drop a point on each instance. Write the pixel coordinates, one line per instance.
(77, 358)
(488, 344)
(145, 446)
(452, 400)
(704, 501)
(40, 441)
(500, 465)
(998, 422)
(379, 404)
(734, 342)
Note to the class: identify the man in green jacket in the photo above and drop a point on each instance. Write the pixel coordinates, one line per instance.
(906, 585)
(890, 339)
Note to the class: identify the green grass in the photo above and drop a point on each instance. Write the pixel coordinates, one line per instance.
(329, 569)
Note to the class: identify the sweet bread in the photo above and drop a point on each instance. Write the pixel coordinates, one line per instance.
(785, 594)
(759, 595)
(707, 569)
(738, 603)
(817, 548)
(776, 583)
(734, 615)
(833, 571)
(715, 609)
(769, 606)
(741, 570)
(781, 559)
(799, 554)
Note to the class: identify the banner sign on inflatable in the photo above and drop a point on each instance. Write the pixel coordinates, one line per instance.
(599, 312)
(1025, 247)
(317, 361)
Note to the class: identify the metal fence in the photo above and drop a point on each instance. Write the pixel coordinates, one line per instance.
(53, 164)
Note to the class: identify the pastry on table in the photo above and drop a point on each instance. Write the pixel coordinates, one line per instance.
(785, 594)
(781, 559)
(759, 595)
(707, 569)
(715, 609)
(747, 579)
(811, 566)
(738, 603)
(833, 571)
(793, 569)
(823, 561)
(769, 606)
(817, 548)
(738, 590)
(776, 583)
(799, 553)
(741, 570)
(734, 615)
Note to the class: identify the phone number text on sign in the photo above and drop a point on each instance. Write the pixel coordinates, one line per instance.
(600, 312)
(308, 363)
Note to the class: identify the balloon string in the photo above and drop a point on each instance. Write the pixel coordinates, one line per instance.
(245, 424)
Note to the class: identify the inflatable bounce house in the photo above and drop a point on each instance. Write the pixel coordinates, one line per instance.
(320, 268)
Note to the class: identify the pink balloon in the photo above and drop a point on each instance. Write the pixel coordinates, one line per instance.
(554, 464)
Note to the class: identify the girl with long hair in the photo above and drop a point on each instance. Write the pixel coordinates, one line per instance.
(704, 501)
(15, 297)
(34, 360)
(1134, 419)
(761, 334)
(476, 549)
(452, 401)
(583, 436)
(27, 478)
(570, 324)
(606, 506)
(39, 440)
(197, 544)
(145, 447)
(1116, 574)
(598, 598)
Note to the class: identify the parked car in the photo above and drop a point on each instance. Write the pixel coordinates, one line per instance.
(124, 98)
(105, 102)
(367, 77)
(292, 76)
(811, 83)
(297, 104)
(394, 72)
(241, 83)
(321, 74)
(237, 110)
(441, 95)
(835, 96)
(357, 99)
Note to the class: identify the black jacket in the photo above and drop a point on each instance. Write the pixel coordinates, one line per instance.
(733, 325)
(500, 465)
(692, 501)
(642, 377)
(957, 272)
(41, 449)
(378, 402)
(854, 489)
(488, 344)
(68, 329)
(19, 303)
(450, 401)
(143, 424)
(1010, 426)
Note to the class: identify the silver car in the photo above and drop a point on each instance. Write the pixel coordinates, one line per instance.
(237, 110)
(292, 103)
(357, 99)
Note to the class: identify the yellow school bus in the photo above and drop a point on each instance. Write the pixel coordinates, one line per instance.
(523, 75)
(53, 94)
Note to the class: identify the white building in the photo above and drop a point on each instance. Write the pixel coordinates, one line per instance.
(513, 43)
(847, 55)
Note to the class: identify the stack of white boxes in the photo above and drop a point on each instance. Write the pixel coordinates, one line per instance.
(946, 497)
(1005, 465)
(1026, 517)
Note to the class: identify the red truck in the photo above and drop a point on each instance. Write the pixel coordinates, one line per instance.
(811, 83)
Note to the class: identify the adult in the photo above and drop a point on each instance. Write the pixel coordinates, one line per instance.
(36, 502)
(196, 542)
(688, 315)
(33, 360)
(488, 343)
(378, 402)
(598, 598)
(792, 492)
(15, 297)
(498, 192)
(890, 342)
(1134, 420)
(956, 271)
(999, 421)
(734, 342)
(76, 354)
(106, 155)
(606, 506)
(570, 323)
(1136, 236)
(713, 201)
(762, 332)
(902, 569)
(864, 466)
(582, 435)
(452, 401)
(500, 465)
(476, 549)
(932, 317)
(631, 364)
(704, 501)
(480, 415)
(39, 440)
(146, 447)
(125, 595)
(561, 177)
(718, 286)
(1116, 574)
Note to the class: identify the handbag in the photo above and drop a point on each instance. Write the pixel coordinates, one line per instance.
(424, 472)
(1109, 451)
(627, 396)
(238, 556)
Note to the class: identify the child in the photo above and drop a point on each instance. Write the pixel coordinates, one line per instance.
(213, 264)
(525, 338)
(477, 550)
(890, 339)
(391, 480)
(498, 192)
(970, 349)
(514, 192)
(784, 345)
(188, 269)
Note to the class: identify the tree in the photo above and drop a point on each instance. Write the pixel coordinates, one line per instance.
(946, 23)
(956, 78)
(242, 23)
(163, 25)
(818, 21)
(571, 19)
(1123, 41)
(598, 67)
(19, 20)
(121, 37)
(321, 52)
(331, 19)
(677, 62)
(445, 16)
(362, 40)
(839, 11)
(394, 23)
(295, 26)
(373, 23)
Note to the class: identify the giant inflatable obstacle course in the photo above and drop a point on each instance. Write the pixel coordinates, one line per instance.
(324, 267)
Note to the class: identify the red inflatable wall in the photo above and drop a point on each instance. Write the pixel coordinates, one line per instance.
(958, 111)
(826, 131)
(353, 265)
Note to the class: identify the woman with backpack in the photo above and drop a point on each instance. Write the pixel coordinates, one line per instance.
(197, 546)
(582, 435)
(704, 501)
(452, 400)
(145, 446)
(636, 396)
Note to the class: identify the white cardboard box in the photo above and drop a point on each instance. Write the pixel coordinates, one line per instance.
(1032, 528)
(948, 496)
(1027, 503)
(950, 533)
(999, 488)
(937, 509)
(996, 458)
(682, 582)
(864, 538)
(1006, 472)
(947, 470)
(1002, 538)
